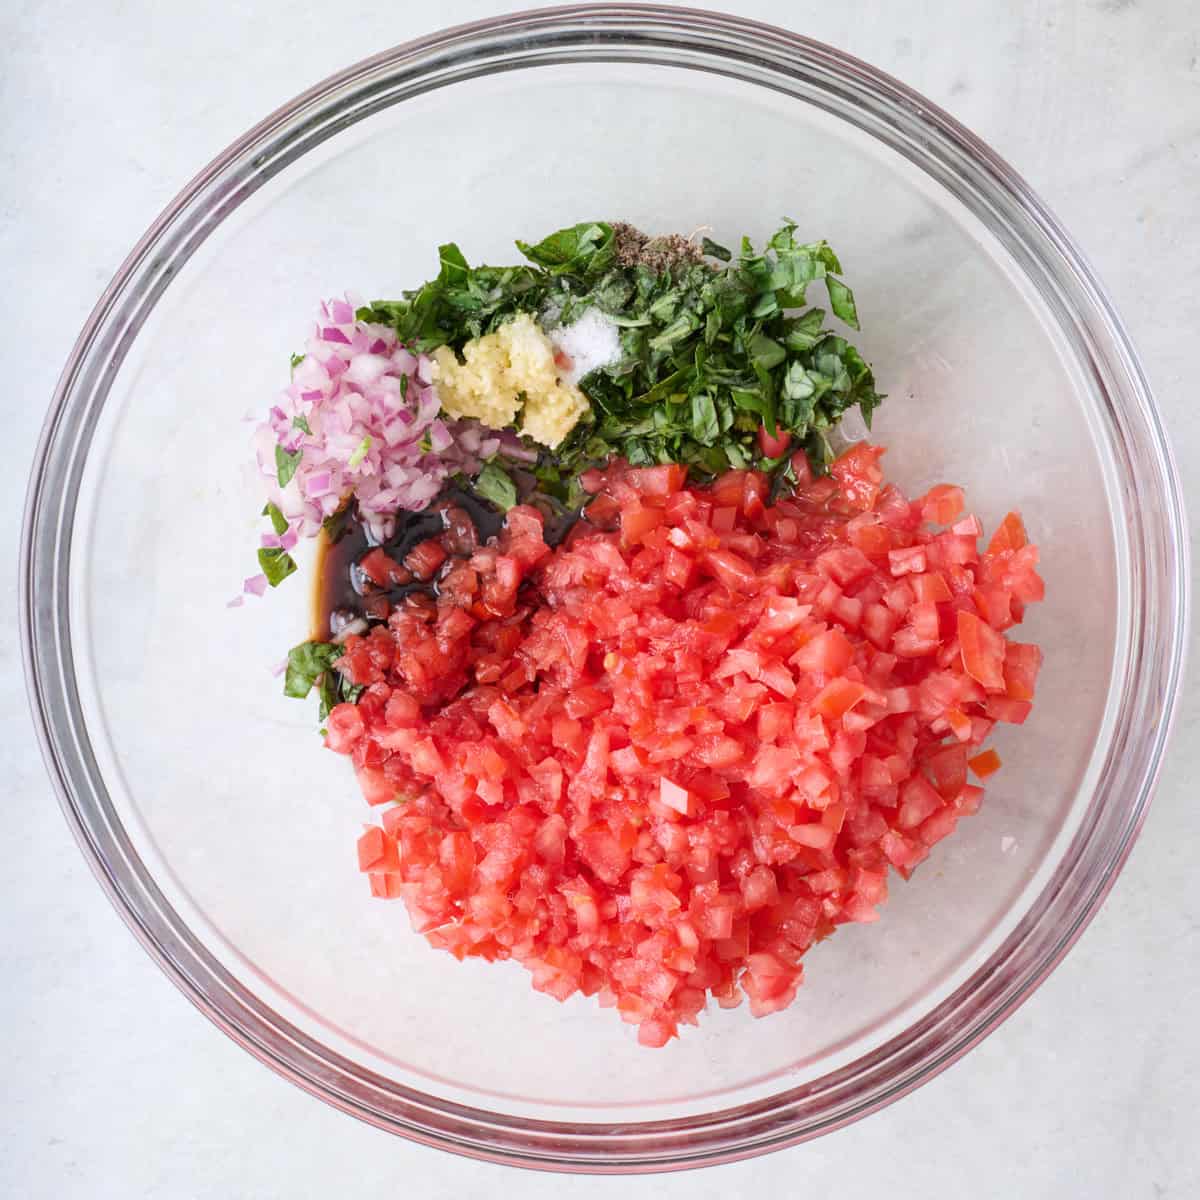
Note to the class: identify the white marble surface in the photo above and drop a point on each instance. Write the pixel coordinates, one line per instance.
(115, 1087)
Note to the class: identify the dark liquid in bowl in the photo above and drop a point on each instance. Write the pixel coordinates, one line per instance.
(343, 594)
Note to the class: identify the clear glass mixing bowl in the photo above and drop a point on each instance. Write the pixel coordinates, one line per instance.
(223, 833)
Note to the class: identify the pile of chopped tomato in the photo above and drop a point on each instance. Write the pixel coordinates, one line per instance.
(658, 763)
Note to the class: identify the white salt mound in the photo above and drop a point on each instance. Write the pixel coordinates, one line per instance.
(590, 342)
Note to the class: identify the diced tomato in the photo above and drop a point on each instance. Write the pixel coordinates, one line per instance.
(377, 851)
(344, 726)
(637, 521)
(879, 623)
(858, 475)
(677, 567)
(829, 653)
(994, 605)
(942, 505)
(868, 534)
(923, 620)
(386, 885)
(931, 588)
(947, 768)
(908, 561)
(424, 559)
(727, 489)
(734, 572)
(939, 824)
(680, 799)
(968, 800)
(917, 800)
(1002, 708)
(659, 481)
(838, 697)
(773, 445)
(985, 764)
(1021, 665)
(657, 763)
(754, 494)
(816, 835)
(961, 725)
(383, 570)
(982, 651)
(724, 518)
(1009, 536)
(846, 564)
(801, 470)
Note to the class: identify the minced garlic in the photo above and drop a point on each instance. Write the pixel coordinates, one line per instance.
(503, 370)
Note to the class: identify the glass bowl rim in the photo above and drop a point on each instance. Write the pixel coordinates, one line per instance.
(944, 149)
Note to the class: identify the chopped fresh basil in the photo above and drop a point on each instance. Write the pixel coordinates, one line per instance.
(286, 464)
(705, 426)
(493, 484)
(276, 565)
(334, 690)
(301, 423)
(334, 524)
(715, 250)
(306, 663)
(310, 665)
(709, 350)
(841, 300)
(278, 521)
(360, 452)
(584, 249)
(454, 270)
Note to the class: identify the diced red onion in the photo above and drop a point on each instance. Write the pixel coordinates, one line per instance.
(512, 447)
(404, 360)
(318, 484)
(367, 368)
(255, 585)
(348, 390)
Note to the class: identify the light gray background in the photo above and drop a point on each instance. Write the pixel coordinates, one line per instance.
(115, 1087)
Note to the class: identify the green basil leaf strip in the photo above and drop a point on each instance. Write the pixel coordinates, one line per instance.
(306, 664)
(841, 300)
(493, 484)
(276, 565)
(286, 464)
(454, 269)
(705, 427)
(715, 250)
(765, 352)
(278, 521)
(584, 249)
